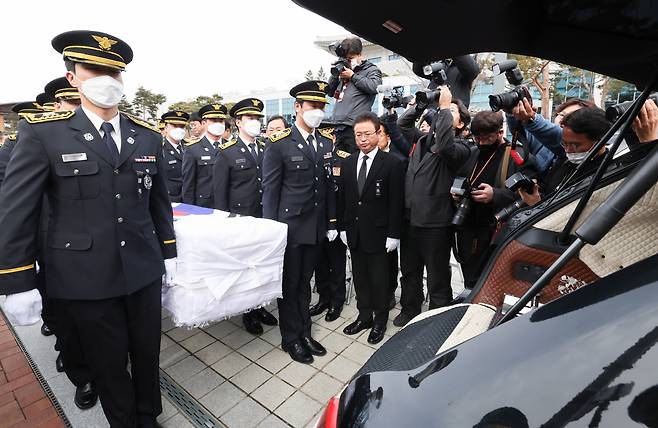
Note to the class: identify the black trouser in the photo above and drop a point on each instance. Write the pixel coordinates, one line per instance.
(425, 247)
(298, 264)
(345, 138)
(109, 331)
(393, 271)
(330, 272)
(371, 283)
(472, 251)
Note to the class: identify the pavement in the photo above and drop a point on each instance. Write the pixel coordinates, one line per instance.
(237, 379)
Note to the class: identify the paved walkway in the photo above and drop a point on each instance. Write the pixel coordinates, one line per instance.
(241, 380)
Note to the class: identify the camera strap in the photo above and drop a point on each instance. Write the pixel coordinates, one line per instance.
(475, 176)
(505, 166)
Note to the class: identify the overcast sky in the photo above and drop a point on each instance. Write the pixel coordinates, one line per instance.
(182, 48)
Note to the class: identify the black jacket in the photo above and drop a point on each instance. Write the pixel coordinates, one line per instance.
(377, 214)
(427, 185)
(198, 160)
(298, 190)
(237, 179)
(109, 226)
(5, 153)
(173, 162)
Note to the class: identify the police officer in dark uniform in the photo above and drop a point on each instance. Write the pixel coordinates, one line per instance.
(237, 177)
(298, 190)
(110, 227)
(22, 110)
(199, 157)
(174, 123)
(330, 270)
(46, 101)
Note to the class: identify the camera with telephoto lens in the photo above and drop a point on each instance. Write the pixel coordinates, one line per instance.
(436, 73)
(461, 187)
(612, 113)
(395, 98)
(342, 62)
(508, 100)
(515, 182)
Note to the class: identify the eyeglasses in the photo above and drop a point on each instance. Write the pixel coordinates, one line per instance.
(367, 134)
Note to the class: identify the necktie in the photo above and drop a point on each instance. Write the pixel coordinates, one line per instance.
(111, 145)
(310, 140)
(252, 149)
(363, 172)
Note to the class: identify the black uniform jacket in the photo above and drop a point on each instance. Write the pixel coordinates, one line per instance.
(173, 166)
(237, 178)
(109, 226)
(377, 214)
(297, 189)
(198, 162)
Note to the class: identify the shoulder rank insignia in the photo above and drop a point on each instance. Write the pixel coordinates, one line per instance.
(12, 137)
(342, 154)
(141, 122)
(190, 141)
(227, 144)
(48, 117)
(279, 135)
(327, 132)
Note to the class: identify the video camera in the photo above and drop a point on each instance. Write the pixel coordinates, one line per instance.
(393, 97)
(436, 73)
(507, 100)
(612, 113)
(343, 62)
(461, 186)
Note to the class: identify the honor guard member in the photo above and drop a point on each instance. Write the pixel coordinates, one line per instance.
(174, 123)
(330, 270)
(67, 98)
(22, 110)
(199, 157)
(237, 178)
(196, 128)
(46, 102)
(298, 190)
(110, 227)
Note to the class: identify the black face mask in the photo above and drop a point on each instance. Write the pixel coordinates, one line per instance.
(487, 148)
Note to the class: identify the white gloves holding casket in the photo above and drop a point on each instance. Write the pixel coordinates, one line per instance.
(392, 244)
(170, 271)
(23, 308)
(332, 235)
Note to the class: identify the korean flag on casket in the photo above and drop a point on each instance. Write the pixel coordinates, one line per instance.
(227, 265)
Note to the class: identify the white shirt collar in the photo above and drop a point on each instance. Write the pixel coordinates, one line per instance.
(306, 134)
(370, 155)
(97, 121)
(210, 138)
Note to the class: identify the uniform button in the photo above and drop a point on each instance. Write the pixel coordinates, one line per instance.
(316, 204)
(316, 179)
(260, 191)
(258, 178)
(120, 220)
(297, 166)
(116, 172)
(316, 190)
(123, 243)
(286, 210)
(118, 196)
(359, 203)
(147, 170)
(67, 245)
(357, 218)
(76, 171)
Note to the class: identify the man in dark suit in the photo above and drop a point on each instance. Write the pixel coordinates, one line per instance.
(298, 190)
(172, 150)
(370, 210)
(110, 227)
(237, 177)
(199, 157)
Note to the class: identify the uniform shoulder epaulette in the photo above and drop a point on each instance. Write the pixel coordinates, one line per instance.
(327, 132)
(50, 116)
(142, 123)
(342, 154)
(190, 141)
(12, 137)
(227, 144)
(279, 135)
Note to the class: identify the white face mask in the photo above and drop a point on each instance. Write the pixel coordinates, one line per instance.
(252, 127)
(216, 129)
(354, 63)
(576, 158)
(102, 91)
(177, 134)
(313, 118)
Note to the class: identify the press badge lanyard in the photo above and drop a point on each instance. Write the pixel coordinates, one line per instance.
(471, 179)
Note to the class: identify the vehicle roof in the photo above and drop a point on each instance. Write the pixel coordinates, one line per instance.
(618, 38)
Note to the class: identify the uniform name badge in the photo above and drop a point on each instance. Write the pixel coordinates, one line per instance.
(205, 157)
(74, 157)
(171, 162)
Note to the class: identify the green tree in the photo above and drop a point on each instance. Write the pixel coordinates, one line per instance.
(192, 105)
(541, 74)
(126, 106)
(146, 104)
(321, 74)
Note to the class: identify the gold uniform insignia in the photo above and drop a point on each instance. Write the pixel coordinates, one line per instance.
(342, 154)
(179, 113)
(12, 137)
(256, 103)
(104, 42)
(322, 86)
(141, 122)
(279, 135)
(327, 132)
(189, 141)
(48, 117)
(227, 144)
(217, 106)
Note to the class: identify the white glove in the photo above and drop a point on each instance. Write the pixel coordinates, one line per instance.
(332, 235)
(392, 244)
(343, 237)
(23, 308)
(170, 271)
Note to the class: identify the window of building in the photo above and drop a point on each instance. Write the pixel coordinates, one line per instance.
(375, 60)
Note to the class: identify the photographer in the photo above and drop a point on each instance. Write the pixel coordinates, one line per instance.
(426, 236)
(486, 170)
(460, 71)
(353, 83)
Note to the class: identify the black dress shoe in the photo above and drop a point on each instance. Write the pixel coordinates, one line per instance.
(265, 317)
(85, 396)
(298, 352)
(59, 363)
(313, 346)
(333, 313)
(403, 318)
(318, 308)
(376, 334)
(357, 326)
(45, 330)
(252, 324)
